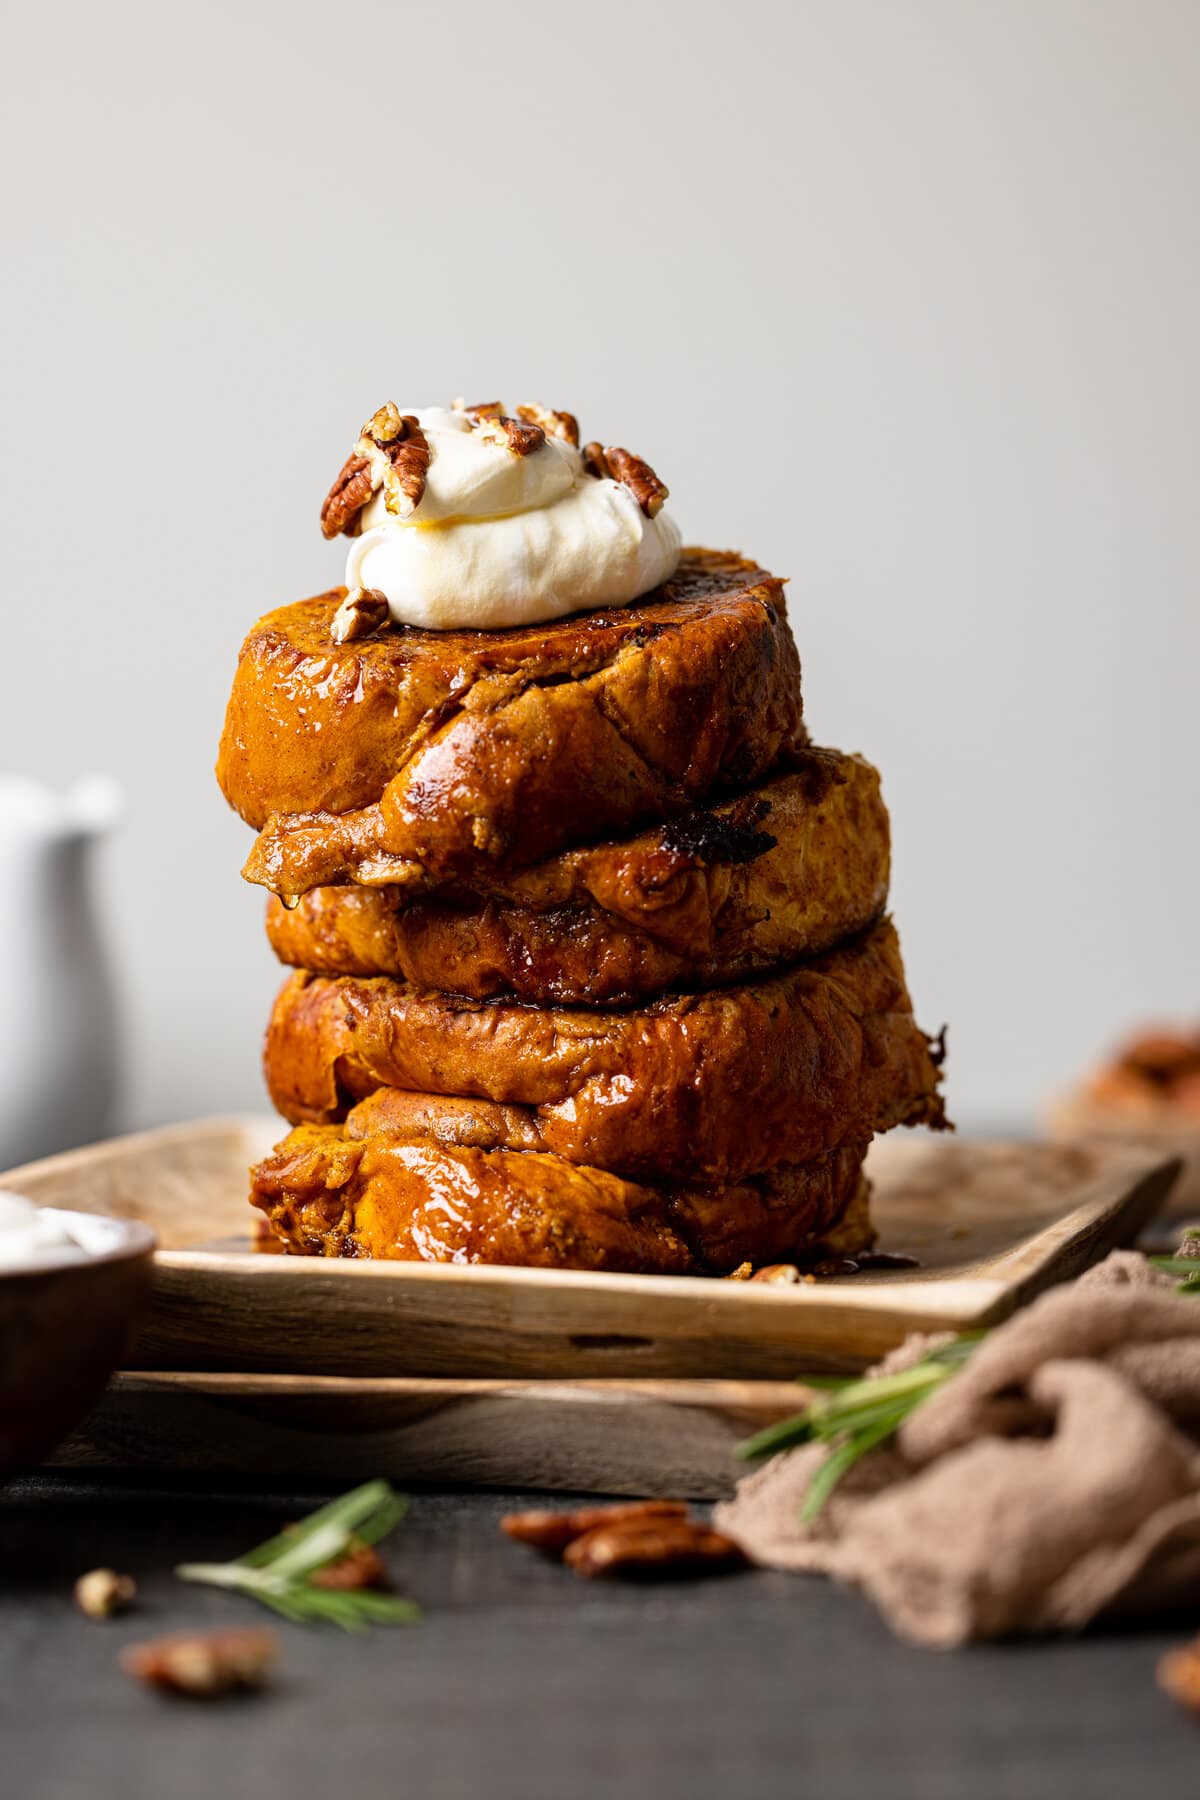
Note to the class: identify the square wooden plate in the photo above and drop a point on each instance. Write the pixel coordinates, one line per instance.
(992, 1223)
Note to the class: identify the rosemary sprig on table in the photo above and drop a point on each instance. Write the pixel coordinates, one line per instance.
(278, 1572)
(854, 1417)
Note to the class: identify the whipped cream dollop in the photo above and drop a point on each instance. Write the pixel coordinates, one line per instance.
(499, 539)
(31, 1235)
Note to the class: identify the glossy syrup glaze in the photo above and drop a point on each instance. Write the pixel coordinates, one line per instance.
(825, 1053)
(436, 753)
(394, 1197)
(782, 871)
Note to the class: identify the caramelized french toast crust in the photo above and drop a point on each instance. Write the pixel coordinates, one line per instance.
(782, 871)
(825, 1053)
(410, 1198)
(413, 755)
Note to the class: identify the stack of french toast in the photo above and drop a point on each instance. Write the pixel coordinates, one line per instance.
(592, 964)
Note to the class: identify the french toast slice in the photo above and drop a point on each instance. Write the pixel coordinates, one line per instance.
(326, 1192)
(412, 755)
(708, 1087)
(782, 871)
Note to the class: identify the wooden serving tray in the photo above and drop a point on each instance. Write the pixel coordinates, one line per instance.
(603, 1437)
(992, 1223)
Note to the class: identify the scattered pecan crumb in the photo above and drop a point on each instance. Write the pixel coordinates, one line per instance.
(562, 425)
(743, 1272)
(553, 1531)
(782, 1274)
(648, 1548)
(609, 461)
(363, 612)
(392, 454)
(204, 1664)
(361, 1567)
(102, 1592)
(1179, 1674)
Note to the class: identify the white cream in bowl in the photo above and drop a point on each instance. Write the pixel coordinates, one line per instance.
(34, 1236)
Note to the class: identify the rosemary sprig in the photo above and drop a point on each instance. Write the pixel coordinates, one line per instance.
(1186, 1266)
(853, 1417)
(277, 1572)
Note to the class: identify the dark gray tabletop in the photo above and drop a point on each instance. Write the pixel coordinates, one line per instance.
(523, 1681)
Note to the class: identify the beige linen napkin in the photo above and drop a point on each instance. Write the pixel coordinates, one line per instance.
(1054, 1478)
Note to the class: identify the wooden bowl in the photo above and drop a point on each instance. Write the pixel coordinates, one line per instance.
(64, 1327)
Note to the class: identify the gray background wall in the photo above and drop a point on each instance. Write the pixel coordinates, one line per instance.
(900, 297)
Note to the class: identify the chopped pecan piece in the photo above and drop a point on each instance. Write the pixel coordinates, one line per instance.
(553, 1531)
(493, 424)
(386, 425)
(782, 1274)
(362, 612)
(743, 1272)
(1179, 1674)
(610, 462)
(102, 1592)
(392, 454)
(648, 1549)
(562, 425)
(203, 1663)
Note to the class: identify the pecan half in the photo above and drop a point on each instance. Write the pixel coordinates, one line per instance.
(362, 612)
(392, 454)
(347, 497)
(361, 1567)
(649, 1549)
(203, 1664)
(553, 1531)
(1179, 1674)
(562, 425)
(610, 462)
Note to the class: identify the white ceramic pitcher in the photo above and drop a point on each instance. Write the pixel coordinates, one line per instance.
(59, 1060)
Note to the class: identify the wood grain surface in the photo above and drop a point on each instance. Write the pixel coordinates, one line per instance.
(615, 1437)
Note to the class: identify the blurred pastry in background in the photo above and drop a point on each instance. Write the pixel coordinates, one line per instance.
(1149, 1093)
